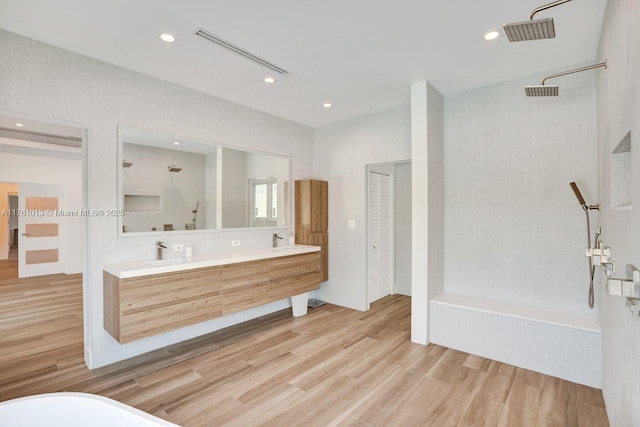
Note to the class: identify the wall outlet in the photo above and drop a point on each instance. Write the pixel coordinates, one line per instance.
(178, 248)
(351, 223)
(235, 243)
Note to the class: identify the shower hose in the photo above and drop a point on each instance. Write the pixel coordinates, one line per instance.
(592, 268)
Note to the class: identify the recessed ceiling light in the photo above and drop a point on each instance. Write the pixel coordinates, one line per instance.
(491, 35)
(176, 143)
(327, 105)
(167, 38)
(269, 80)
(19, 125)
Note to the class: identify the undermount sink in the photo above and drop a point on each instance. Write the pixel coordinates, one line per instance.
(164, 262)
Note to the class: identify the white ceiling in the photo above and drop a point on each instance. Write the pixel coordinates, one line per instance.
(360, 55)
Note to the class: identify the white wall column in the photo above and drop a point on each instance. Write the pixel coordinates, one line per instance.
(427, 189)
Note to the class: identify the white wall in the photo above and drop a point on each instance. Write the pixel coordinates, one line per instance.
(402, 227)
(619, 112)
(234, 189)
(341, 153)
(212, 195)
(18, 168)
(43, 80)
(427, 216)
(513, 228)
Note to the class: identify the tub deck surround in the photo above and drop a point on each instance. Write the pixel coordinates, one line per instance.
(556, 342)
(142, 299)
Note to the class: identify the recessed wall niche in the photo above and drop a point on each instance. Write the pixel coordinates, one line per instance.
(621, 175)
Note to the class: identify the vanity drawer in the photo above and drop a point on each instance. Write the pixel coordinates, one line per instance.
(146, 323)
(294, 265)
(244, 273)
(294, 285)
(148, 292)
(238, 298)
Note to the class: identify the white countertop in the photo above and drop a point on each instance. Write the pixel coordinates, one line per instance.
(125, 270)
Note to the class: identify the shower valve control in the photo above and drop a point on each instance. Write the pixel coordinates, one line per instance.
(602, 256)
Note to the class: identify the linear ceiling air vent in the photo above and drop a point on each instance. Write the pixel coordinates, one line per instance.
(241, 51)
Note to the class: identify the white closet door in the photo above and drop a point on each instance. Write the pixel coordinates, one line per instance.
(379, 229)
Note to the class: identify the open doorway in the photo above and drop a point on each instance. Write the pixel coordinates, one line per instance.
(37, 155)
(388, 229)
(41, 190)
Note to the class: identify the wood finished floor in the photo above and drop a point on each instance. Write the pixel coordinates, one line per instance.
(334, 366)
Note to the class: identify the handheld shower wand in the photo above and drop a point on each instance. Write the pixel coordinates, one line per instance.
(587, 208)
(576, 191)
(195, 214)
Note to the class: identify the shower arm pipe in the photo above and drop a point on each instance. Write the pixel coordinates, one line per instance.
(547, 6)
(576, 70)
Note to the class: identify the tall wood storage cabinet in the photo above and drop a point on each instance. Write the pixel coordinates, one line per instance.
(312, 218)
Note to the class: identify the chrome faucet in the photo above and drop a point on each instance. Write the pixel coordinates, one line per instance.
(275, 240)
(160, 247)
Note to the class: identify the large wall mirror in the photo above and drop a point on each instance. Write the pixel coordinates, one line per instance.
(168, 184)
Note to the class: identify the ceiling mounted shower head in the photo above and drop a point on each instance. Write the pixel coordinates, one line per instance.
(550, 90)
(541, 90)
(174, 168)
(530, 30)
(538, 29)
(126, 164)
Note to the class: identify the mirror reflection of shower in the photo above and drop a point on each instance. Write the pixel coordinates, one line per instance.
(195, 214)
(586, 209)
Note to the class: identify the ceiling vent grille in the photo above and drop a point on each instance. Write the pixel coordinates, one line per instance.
(241, 51)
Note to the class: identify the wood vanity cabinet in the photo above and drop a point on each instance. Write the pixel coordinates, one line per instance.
(143, 306)
(312, 217)
(244, 285)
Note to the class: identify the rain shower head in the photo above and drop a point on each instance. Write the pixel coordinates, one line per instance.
(530, 30)
(126, 164)
(550, 90)
(538, 29)
(174, 168)
(541, 90)
(578, 194)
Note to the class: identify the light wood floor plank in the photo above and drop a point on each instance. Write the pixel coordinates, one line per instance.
(333, 367)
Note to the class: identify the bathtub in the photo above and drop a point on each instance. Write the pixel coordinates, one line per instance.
(73, 410)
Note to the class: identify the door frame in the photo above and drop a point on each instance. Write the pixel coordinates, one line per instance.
(384, 169)
(87, 294)
(9, 195)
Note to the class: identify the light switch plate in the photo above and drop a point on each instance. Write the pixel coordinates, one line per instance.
(351, 223)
